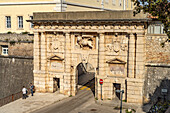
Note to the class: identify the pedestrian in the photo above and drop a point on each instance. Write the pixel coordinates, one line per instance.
(24, 92)
(32, 89)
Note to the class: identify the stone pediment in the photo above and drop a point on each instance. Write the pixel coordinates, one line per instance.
(115, 61)
(55, 57)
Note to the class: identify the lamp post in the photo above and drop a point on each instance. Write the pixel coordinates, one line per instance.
(120, 91)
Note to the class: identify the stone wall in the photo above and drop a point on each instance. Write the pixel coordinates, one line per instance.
(16, 68)
(15, 72)
(157, 78)
(84, 78)
(18, 44)
(155, 53)
(157, 68)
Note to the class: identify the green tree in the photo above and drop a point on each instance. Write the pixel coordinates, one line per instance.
(160, 9)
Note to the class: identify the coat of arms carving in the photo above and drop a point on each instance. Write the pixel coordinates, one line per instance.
(85, 41)
(56, 44)
(115, 46)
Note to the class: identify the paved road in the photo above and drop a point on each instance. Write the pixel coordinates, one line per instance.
(83, 102)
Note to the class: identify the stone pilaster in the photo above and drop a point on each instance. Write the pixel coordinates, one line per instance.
(101, 57)
(36, 52)
(43, 64)
(135, 90)
(67, 69)
(43, 52)
(73, 67)
(132, 57)
(67, 52)
(140, 56)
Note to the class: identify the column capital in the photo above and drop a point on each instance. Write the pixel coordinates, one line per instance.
(101, 32)
(36, 32)
(43, 32)
(66, 32)
(140, 34)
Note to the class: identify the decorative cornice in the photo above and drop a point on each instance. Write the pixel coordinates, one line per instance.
(115, 61)
(55, 57)
(94, 20)
(157, 65)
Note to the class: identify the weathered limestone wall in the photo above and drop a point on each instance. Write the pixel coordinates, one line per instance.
(16, 68)
(18, 44)
(15, 72)
(157, 68)
(155, 53)
(157, 78)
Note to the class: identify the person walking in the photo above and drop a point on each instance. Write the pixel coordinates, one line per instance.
(24, 92)
(32, 89)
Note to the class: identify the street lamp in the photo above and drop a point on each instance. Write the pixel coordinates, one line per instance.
(120, 91)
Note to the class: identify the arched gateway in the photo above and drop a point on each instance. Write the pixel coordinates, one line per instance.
(112, 42)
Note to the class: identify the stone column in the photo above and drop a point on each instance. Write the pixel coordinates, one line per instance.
(135, 90)
(37, 60)
(73, 67)
(101, 62)
(140, 56)
(101, 55)
(67, 52)
(43, 52)
(43, 73)
(36, 52)
(137, 62)
(67, 65)
(131, 56)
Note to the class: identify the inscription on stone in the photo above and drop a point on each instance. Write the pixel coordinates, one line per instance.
(56, 65)
(117, 69)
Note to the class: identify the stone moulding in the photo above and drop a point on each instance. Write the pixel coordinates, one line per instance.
(55, 57)
(115, 61)
(157, 65)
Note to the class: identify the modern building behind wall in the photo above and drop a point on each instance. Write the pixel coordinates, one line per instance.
(14, 14)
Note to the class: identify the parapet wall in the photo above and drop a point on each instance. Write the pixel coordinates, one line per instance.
(15, 72)
(18, 44)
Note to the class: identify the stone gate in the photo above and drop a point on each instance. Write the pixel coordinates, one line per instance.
(112, 42)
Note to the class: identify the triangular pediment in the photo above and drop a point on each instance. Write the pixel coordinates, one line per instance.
(115, 61)
(55, 57)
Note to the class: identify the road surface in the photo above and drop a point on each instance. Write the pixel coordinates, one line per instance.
(83, 102)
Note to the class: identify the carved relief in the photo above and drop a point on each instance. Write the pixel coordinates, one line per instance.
(117, 69)
(85, 42)
(56, 44)
(56, 63)
(115, 45)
